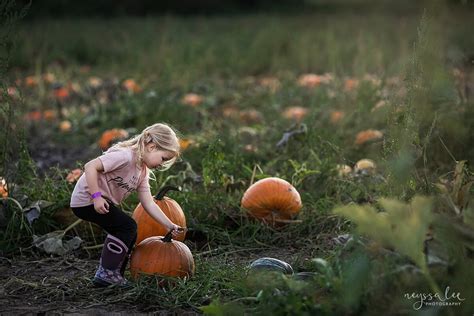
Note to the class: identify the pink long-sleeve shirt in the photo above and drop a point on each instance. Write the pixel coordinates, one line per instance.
(120, 177)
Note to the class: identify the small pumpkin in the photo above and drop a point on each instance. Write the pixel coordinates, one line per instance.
(365, 166)
(73, 175)
(309, 80)
(250, 116)
(192, 99)
(296, 113)
(3, 188)
(33, 116)
(31, 81)
(148, 227)
(110, 136)
(336, 116)
(163, 256)
(271, 264)
(368, 136)
(272, 200)
(185, 143)
(95, 82)
(272, 83)
(350, 84)
(230, 111)
(49, 115)
(65, 126)
(343, 170)
(131, 86)
(60, 93)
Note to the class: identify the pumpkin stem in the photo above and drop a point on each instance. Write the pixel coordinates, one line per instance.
(168, 237)
(161, 194)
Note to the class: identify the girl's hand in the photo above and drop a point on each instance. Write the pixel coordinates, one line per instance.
(175, 230)
(101, 206)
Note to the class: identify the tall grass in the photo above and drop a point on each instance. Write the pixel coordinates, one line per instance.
(180, 50)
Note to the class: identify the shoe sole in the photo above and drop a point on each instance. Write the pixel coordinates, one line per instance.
(101, 283)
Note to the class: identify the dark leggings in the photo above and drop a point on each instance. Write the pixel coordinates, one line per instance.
(115, 222)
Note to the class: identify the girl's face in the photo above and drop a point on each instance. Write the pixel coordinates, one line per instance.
(154, 157)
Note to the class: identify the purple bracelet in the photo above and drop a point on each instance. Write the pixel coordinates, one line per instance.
(96, 195)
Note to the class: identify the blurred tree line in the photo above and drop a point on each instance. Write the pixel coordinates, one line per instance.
(111, 8)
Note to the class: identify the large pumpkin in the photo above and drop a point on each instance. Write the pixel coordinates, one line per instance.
(272, 200)
(148, 227)
(162, 256)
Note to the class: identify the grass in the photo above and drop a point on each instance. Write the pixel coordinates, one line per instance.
(182, 50)
(253, 63)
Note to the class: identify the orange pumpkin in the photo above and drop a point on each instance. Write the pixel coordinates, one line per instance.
(272, 83)
(148, 227)
(185, 143)
(131, 86)
(192, 99)
(33, 116)
(65, 126)
(49, 115)
(3, 188)
(61, 93)
(336, 116)
(73, 175)
(272, 200)
(368, 136)
(250, 116)
(309, 80)
(31, 81)
(350, 84)
(162, 256)
(230, 111)
(296, 113)
(110, 136)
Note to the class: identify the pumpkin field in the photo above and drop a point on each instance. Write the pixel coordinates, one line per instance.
(325, 167)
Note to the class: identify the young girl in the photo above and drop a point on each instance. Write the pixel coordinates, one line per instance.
(109, 179)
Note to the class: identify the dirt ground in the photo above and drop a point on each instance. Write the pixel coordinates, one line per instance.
(49, 154)
(61, 285)
(33, 284)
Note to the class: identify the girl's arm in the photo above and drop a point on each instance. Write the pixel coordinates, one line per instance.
(146, 199)
(91, 169)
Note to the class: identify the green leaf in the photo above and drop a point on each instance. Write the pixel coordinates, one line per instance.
(402, 226)
(221, 309)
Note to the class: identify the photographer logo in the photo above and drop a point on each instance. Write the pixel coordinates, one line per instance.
(435, 299)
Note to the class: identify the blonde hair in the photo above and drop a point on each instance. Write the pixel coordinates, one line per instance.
(160, 134)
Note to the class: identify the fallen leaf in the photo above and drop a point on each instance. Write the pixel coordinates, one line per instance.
(52, 243)
(33, 211)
